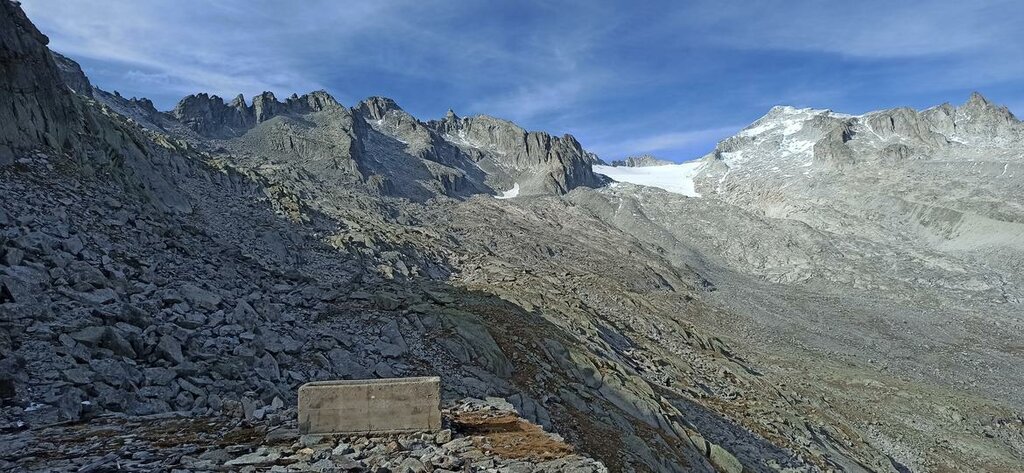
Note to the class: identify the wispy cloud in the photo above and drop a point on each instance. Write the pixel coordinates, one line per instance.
(188, 46)
(672, 142)
(557, 96)
(870, 28)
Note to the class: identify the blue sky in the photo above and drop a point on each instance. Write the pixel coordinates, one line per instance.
(668, 78)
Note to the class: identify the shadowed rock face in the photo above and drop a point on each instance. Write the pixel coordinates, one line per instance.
(209, 115)
(39, 110)
(35, 104)
(72, 75)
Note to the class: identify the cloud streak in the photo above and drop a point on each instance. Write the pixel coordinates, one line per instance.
(660, 143)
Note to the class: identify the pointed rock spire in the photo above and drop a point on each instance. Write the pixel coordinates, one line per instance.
(265, 106)
(979, 108)
(238, 102)
(977, 99)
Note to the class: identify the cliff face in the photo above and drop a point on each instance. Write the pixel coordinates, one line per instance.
(39, 110)
(35, 105)
(72, 75)
(539, 162)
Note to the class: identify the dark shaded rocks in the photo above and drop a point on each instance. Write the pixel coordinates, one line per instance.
(22, 283)
(209, 115)
(474, 343)
(395, 345)
(200, 297)
(72, 75)
(170, 349)
(9, 367)
(105, 337)
(35, 105)
(267, 368)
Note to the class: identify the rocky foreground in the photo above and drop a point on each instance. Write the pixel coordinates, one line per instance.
(481, 436)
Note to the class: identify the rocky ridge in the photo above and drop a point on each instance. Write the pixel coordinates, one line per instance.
(393, 150)
(641, 161)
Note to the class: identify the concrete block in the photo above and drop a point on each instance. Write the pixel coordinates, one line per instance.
(370, 405)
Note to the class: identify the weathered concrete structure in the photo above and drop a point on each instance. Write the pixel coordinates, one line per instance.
(370, 405)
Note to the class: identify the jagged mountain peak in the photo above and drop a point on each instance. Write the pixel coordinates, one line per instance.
(209, 114)
(315, 101)
(806, 135)
(374, 108)
(977, 99)
(321, 97)
(977, 106)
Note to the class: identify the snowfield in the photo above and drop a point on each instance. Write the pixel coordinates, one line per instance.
(513, 192)
(677, 178)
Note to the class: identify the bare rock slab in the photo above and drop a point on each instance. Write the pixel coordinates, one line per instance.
(370, 406)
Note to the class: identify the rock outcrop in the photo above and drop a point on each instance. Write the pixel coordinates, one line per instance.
(210, 116)
(72, 75)
(539, 162)
(644, 160)
(832, 150)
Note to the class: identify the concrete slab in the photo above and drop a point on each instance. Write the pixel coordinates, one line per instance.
(370, 405)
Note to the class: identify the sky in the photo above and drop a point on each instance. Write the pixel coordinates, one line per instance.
(668, 78)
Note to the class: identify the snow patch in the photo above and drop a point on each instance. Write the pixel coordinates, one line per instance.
(513, 192)
(798, 146)
(676, 178)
